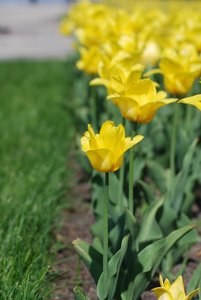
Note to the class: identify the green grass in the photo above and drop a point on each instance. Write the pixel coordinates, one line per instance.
(36, 132)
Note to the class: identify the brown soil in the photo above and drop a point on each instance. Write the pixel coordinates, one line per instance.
(77, 222)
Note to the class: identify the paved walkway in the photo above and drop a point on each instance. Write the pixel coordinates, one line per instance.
(31, 31)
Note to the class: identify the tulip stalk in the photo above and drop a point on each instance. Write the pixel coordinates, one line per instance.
(93, 108)
(115, 114)
(121, 176)
(105, 236)
(188, 120)
(78, 271)
(173, 143)
(131, 166)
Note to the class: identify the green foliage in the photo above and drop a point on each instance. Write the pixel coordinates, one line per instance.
(195, 280)
(80, 294)
(34, 141)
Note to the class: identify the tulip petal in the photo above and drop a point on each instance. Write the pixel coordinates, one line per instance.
(112, 138)
(152, 72)
(85, 142)
(177, 289)
(92, 138)
(194, 100)
(162, 294)
(101, 160)
(129, 107)
(100, 81)
(191, 294)
(142, 90)
(129, 143)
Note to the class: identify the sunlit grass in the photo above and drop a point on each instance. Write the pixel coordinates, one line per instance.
(35, 137)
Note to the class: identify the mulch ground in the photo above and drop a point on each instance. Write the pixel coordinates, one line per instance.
(77, 222)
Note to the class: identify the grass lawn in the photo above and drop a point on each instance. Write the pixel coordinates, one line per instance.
(36, 132)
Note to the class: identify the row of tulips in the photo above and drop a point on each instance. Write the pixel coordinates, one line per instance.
(123, 45)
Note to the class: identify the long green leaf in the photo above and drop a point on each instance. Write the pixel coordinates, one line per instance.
(150, 258)
(149, 228)
(114, 267)
(148, 190)
(195, 279)
(159, 175)
(91, 257)
(177, 192)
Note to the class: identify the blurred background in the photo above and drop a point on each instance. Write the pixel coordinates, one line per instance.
(30, 29)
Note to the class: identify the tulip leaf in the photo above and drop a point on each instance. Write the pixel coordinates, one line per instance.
(116, 234)
(131, 225)
(80, 294)
(114, 267)
(183, 142)
(158, 174)
(138, 167)
(150, 258)
(167, 218)
(97, 229)
(149, 228)
(177, 191)
(98, 245)
(114, 191)
(149, 191)
(195, 279)
(91, 257)
(190, 238)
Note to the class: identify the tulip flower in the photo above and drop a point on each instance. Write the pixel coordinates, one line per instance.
(194, 100)
(172, 292)
(179, 70)
(139, 101)
(118, 78)
(105, 150)
(89, 60)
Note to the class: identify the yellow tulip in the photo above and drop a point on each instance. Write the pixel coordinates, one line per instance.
(89, 60)
(179, 70)
(105, 150)
(172, 292)
(194, 100)
(139, 100)
(118, 78)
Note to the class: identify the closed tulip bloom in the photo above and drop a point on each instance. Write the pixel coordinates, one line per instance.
(105, 150)
(194, 100)
(139, 101)
(176, 291)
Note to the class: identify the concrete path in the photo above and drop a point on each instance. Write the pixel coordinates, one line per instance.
(31, 31)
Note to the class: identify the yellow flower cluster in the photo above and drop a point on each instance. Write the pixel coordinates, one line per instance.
(118, 40)
(140, 32)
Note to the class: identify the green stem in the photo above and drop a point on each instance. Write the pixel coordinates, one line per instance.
(188, 120)
(93, 108)
(115, 109)
(105, 238)
(131, 166)
(78, 271)
(173, 143)
(121, 176)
